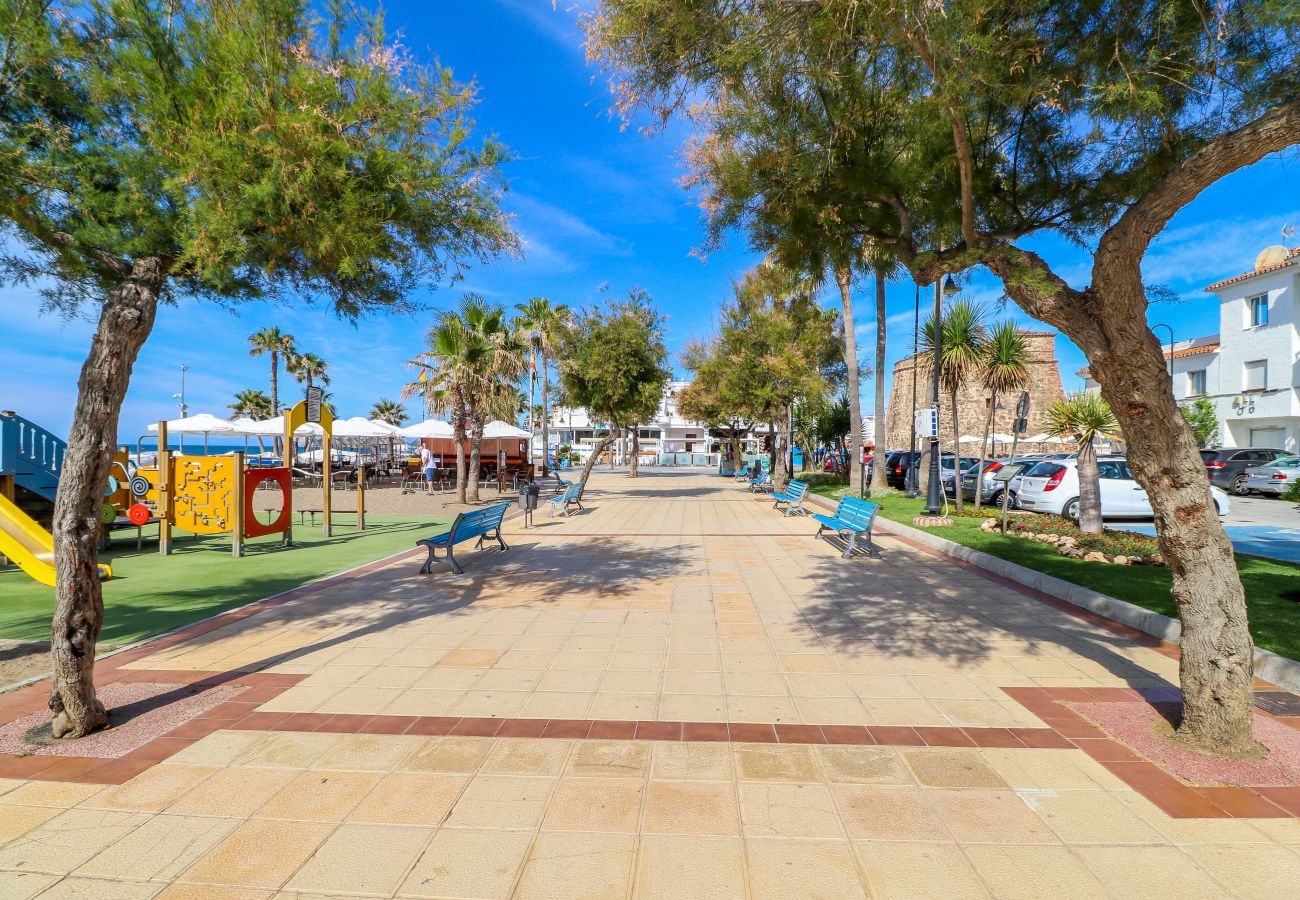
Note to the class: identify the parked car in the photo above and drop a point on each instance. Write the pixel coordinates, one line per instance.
(1227, 466)
(897, 463)
(1273, 478)
(948, 469)
(1052, 486)
(995, 480)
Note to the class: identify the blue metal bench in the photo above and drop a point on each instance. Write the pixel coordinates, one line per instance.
(572, 495)
(852, 517)
(762, 484)
(792, 497)
(482, 523)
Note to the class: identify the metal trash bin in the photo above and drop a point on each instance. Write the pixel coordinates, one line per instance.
(528, 494)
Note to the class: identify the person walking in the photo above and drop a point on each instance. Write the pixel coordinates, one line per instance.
(430, 468)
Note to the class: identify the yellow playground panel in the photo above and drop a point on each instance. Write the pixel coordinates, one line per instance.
(204, 493)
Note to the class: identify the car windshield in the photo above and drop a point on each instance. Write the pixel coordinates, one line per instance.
(1044, 470)
(1208, 455)
(1286, 462)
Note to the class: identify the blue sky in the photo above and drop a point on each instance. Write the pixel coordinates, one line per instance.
(595, 205)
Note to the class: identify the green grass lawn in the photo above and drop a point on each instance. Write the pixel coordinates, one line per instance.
(150, 594)
(1274, 619)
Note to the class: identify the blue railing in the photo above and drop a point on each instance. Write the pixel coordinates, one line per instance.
(32, 455)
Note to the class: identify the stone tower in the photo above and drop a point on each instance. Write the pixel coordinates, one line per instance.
(973, 400)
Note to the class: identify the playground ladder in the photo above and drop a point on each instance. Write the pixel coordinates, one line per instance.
(30, 455)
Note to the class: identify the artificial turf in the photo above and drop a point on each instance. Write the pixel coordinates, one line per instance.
(150, 594)
(1274, 617)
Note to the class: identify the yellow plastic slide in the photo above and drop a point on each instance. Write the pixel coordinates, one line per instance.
(29, 545)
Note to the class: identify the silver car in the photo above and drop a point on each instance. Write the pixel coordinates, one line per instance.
(1273, 478)
(995, 479)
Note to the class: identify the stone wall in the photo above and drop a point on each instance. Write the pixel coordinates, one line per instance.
(973, 399)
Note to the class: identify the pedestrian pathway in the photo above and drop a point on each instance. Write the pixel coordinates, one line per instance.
(677, 693)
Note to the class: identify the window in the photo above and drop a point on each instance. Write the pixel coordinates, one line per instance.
(1258, 310)
(691, 434)
(1256, 375)
(1111, 469)
(648, 434)
(1196, 383)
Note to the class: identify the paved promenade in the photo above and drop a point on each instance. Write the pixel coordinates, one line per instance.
(677, 693)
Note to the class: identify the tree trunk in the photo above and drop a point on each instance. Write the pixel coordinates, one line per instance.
(1089, 489)
(600, 448)
(1108, 323)
(275, 383)
(956, 458)
(475, 460)
(878, 480)
(984, 446)
(125, 321)
(634, 467)
(780, 457)
(843, 278)
(462, 470)
(546, 417)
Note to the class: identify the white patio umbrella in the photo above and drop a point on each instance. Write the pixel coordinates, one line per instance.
(968, 439)
(275, 428)
(497, 430)
(361, 427)
(1037, 439)
(429, 428)
(202, 423)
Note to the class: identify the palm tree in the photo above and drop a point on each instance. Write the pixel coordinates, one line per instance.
(542, 323)
(884, 264)
(252, 403)
(447, 369)
(1004, 368)
(308, 368)
(1083, 418)
(493, 394)
(389, 411)
(962, 336)
(276, 343)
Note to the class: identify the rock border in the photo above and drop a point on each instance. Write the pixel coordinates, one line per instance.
(1068, 545)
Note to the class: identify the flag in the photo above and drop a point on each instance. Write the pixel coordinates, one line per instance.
(424, 375)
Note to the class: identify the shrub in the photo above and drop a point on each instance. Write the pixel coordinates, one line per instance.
(821, 479)
(1292, 492)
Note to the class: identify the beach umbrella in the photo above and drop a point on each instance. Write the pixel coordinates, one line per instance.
(202, 423)
(496, 430)
(1037, 439)
(359, 427)
(968, 439)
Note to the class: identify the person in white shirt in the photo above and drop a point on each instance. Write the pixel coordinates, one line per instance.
(430, 467)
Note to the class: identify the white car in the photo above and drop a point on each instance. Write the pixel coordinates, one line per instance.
(1052, 486)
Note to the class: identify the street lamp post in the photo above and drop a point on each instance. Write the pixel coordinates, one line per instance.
(912, 470)
(934, 489)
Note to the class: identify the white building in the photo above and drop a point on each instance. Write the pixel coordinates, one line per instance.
(1250, 370)
(668, 435)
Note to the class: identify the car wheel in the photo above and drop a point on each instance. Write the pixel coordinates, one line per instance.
(1239, 486)
(1071, 510)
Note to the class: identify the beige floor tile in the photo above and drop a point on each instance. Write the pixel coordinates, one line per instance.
(1044, 769)
(1259, 872)
(1029, 873)
(60, 794)
(692, 762)
(423, 703)
(236, 792)
(469, 659)
(694, 662)
(610, 759)
(781, 869)
(833, 711)
(291, 751)
(788, 811)
(260, 853)
(24, 885)
(180, 891)
(951, 768)
(1089, 817)
(556, 705)
(983, 817)
(509, 679)
(631, 682)
(570, 681)
(160, 849)
(909, 711)
(450, 755)
(320, 796)
(502, 801)
(887, 813)
(76, 888)
(468, 863)
(675, 868)
(920, 871)
(361, 859)
(624, 707)
(369, 752)
(693, 708)
(756, 684)
(410, 798)
(586, 866)
(776, 763)
(63, 843)
(489, 704)
(453, 678)
(15, 821)
(595, 804)
(1207, 831)
(762, 709)
(678, 807)
(152, 790)
(1149, 872)
(677, 682)
(863, 765)
(818, 685)
(527, 757)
